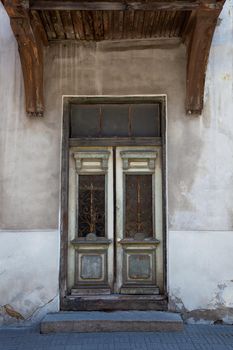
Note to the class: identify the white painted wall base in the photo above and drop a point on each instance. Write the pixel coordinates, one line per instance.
(29, 265)
(200, 274)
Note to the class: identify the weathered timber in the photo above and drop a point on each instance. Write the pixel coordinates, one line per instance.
(118, 24)
(110, 25)
(148, 23)
(27, 30)
(118, 5)
(115, 302)
(128, 24)
(116, 141)
(107, 23)
(88, 25)
(64, 202)
(198, 36)
(57, 24)
(49, 25)
(78, 24)
(38, 27)
(98, 25)
(139, 18)
(68, 25)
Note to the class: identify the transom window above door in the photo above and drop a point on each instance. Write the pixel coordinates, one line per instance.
(124, 120)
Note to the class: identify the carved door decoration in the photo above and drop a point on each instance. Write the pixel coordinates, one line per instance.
(122, 254)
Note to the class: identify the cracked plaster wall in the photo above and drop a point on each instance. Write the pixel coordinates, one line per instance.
(200, 275)
(29, 263)
(199, 157)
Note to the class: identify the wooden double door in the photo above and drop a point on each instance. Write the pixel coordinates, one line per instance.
(115, 239)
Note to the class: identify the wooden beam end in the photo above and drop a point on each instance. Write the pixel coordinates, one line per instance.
(198, 36)
(35, 114)
(193, 111)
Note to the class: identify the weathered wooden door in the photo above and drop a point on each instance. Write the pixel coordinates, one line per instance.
(115, 220)
(139, 220)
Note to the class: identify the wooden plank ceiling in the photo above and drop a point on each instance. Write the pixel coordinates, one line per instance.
(36, 23)
(112, 25)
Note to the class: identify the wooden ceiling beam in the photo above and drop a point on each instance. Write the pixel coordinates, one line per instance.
(198, 36)
(30, 36)
(150, 5)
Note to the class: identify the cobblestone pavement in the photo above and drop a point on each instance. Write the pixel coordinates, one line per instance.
(198, 337)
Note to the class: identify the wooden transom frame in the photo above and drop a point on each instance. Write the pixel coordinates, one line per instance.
(194, 21)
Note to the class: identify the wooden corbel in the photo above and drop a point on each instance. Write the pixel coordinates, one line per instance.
(30, 36)
(198, 36)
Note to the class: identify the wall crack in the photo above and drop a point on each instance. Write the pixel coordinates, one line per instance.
(40, 307)
(10, 311)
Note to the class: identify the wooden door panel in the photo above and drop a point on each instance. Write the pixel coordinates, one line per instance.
(139, 229)
(91, 221)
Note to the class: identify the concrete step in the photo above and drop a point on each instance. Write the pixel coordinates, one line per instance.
(115, 302)
(117, 321)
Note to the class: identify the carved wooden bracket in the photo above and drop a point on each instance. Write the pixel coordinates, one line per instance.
(30, 37)
(198, 36)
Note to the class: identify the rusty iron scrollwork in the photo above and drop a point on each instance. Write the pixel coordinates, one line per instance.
(138, 209)
(91, 205)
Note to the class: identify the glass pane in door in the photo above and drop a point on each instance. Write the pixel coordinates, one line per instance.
(138, 206)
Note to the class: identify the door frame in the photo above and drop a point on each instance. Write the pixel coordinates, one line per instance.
(64, 188)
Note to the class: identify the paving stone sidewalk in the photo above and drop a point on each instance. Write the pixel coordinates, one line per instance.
(194, 337)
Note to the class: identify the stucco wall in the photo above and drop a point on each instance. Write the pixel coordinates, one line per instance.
(29, 262)
(200, 178)
(29, 149)
(200, 275)
(199, 163)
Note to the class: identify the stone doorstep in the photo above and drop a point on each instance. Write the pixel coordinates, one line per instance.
(116, 321)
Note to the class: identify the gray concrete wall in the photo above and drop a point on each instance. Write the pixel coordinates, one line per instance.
(199, 159)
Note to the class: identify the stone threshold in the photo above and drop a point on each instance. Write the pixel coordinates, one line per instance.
(116, 321)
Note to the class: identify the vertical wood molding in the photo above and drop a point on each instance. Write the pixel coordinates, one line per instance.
(28, 33)
(198, 36)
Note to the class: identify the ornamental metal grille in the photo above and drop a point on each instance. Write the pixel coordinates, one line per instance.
(91, 205)
(138, 207)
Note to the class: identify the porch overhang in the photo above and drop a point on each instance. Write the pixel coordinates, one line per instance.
(37, 23)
